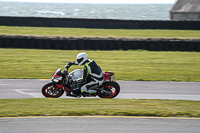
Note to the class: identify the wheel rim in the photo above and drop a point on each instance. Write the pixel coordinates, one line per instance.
(112, 89)
(51, 91)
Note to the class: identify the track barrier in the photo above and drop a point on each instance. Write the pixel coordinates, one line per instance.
(99, 23)
(33, 42)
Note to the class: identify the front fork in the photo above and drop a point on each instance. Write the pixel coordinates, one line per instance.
(60, 86)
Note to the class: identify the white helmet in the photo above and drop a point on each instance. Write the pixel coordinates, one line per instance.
(81, 58)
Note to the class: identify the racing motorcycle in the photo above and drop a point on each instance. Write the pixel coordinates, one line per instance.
(62, 81)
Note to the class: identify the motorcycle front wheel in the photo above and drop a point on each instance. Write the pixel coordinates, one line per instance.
(112, 87)
(49, 90)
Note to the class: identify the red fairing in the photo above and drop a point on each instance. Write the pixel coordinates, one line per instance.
(64, 88)
(107, 75)
(68, 89)
(56, 75)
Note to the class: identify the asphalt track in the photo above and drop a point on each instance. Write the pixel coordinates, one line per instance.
(99, 125)
(31, 88)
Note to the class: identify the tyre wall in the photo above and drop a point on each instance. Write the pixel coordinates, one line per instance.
(31, 42)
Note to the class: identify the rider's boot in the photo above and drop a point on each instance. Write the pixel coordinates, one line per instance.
(72, 95)
(85, 94)
(103, 92)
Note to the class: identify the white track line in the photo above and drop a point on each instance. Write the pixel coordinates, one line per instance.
(34, 95)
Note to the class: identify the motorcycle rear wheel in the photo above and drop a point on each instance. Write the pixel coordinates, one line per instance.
(113, 87)
(49, 90)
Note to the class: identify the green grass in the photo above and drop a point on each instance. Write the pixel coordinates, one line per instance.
(99, 32)
(113, 107)
(127, 65)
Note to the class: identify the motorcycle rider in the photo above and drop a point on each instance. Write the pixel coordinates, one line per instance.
(92, 75)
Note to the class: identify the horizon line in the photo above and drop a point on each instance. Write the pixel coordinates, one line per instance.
(80, 2)
(76, 2)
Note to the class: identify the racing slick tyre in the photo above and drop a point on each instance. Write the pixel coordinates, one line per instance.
(112, 87)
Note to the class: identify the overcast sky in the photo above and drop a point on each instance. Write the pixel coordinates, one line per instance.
(100, 1)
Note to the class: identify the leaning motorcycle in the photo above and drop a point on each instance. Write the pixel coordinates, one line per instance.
(62, 81)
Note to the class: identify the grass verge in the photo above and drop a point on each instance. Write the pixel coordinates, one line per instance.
(115, 33)
(127, 65)
(113, 107)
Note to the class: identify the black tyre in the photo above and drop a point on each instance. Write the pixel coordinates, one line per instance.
(49, 90)
(113, 87)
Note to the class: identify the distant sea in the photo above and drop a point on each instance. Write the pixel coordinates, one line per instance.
(100, 11)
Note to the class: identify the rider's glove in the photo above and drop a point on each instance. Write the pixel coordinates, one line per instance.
(70, 63)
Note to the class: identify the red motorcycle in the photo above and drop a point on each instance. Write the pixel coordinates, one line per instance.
(62, 81)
